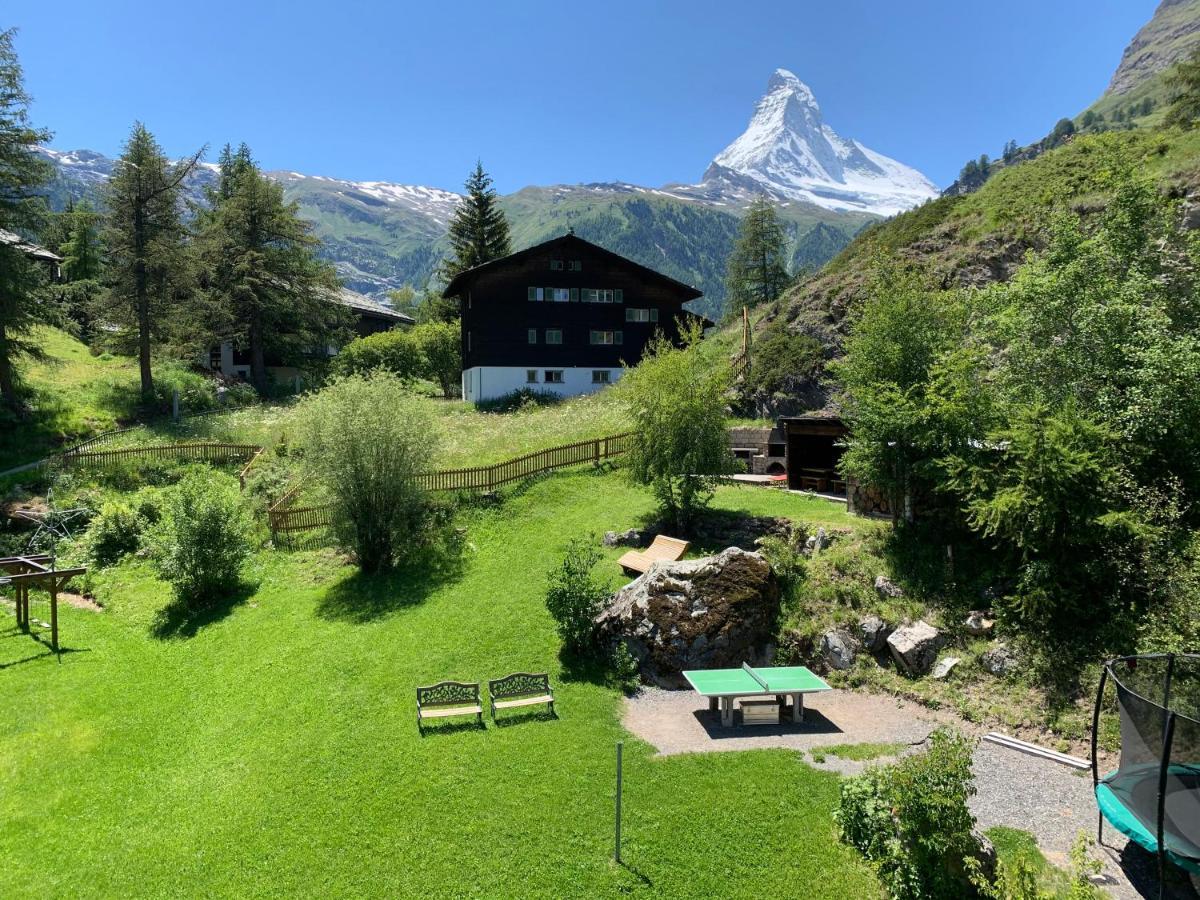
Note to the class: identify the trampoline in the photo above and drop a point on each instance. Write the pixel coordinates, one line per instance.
(1153, 796)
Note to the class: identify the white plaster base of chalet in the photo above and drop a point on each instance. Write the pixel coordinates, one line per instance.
(490, 382)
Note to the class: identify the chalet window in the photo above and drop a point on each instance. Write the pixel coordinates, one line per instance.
(601, 376)
(553, 295)
(632, 314)
(554, 376)
(597, 295)
(531, 376)
(533, 335)
(535, 293)
(556, 265)
(553, 335)
(575, 265)
(607, 337)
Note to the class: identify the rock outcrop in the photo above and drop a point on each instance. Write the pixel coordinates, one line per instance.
(715, 612)
(875, 633)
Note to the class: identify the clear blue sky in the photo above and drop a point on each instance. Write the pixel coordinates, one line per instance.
(547, 92)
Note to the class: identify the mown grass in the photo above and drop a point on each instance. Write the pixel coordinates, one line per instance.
(270, 747)
(857, 752)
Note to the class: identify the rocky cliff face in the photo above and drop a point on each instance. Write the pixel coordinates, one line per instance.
(1170, 35)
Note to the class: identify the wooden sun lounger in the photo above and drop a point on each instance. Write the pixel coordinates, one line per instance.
(661, 548)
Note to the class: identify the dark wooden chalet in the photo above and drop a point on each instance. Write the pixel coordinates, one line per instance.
(561, 316)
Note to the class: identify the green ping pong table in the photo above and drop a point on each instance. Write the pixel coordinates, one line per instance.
(723, 686)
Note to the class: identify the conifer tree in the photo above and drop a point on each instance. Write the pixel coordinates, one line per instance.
(263, 281)
(83, 261)
(21, 211)
(756, 272)
(479, 230)
(144, 233)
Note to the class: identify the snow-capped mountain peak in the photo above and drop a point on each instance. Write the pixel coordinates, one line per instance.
(789, 151)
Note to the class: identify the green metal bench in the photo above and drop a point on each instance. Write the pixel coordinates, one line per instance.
(521, 689)
(449, 698)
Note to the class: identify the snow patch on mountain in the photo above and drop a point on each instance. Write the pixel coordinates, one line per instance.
(789, 151)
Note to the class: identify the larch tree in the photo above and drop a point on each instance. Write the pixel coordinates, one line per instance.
(263, 280)
(145, 237)
(22, 172)
(478, 231)
(83, 266)
(756, 272)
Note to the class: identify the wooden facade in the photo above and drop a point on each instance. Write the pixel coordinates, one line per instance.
(566, 305)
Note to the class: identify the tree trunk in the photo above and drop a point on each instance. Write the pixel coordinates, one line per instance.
(8, 381)
(141, 299)
(258, 359)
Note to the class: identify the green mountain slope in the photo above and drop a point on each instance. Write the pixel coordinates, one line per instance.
(983, 236)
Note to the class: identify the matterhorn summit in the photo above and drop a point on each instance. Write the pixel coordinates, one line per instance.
(789, 152)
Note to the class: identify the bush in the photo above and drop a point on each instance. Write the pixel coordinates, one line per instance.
(394, 351)
(365, 440)
(203, 539)
(520, 400)
(911, 820)
(574, 597)
(113, 534)
(440, 345)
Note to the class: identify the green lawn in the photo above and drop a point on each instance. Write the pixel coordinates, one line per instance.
(274, 750)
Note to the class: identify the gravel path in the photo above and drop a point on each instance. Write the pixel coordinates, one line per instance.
(1050, 800)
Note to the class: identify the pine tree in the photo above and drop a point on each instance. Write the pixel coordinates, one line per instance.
(479, 230)
(264, 284)
(144, 233)
(21, 211)
(1010, 151)
(1184, 82)
(756, 272)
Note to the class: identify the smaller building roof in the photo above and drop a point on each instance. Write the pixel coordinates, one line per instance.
(366, 306)
(460, 281)
(28, 247)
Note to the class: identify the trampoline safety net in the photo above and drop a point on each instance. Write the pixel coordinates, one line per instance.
(1159, 702)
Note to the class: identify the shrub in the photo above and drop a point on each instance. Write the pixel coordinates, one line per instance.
(113, 534)
(573, 596)
(677, 403)
(365, 440)
(520, 400)
(911, 820)
(394, 351)
(203, 539)
(440, 346)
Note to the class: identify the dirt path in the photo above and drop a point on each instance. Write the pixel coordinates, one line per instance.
(1050, 800)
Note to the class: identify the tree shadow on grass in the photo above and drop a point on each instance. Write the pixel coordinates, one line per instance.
(178, 620)
(363, 598)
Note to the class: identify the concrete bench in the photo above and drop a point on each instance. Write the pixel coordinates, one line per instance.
(448, 698)
(520, 689)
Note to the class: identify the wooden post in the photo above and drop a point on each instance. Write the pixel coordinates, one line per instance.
(618, 844)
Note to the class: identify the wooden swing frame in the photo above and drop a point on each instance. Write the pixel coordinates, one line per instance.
(36, 570)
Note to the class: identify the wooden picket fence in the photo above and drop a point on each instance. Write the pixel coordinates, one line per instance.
(198, 452)
(284, 518)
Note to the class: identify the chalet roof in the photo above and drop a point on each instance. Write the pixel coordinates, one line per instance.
(364, 305)
(27, 247)
(564, 245)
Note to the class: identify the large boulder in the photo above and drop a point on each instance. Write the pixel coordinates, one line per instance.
(715, 612)
(875, 633)
(979, 623)
(838, 650)
(915, 647)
